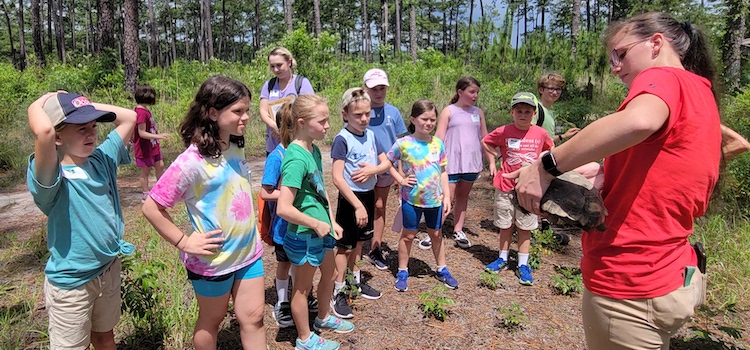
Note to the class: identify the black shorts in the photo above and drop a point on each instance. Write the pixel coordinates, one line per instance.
(280, 253)
(348, 221)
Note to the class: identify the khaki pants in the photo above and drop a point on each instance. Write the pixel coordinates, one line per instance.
(640, 323)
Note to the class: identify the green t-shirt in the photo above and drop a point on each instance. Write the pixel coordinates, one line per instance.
(304, 171)
(549, 120)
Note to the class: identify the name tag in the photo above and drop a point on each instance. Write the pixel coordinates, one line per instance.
(245, 169)
(514, 143)
(434, 157)
(75, 173)
(274, 93)
(475, 118)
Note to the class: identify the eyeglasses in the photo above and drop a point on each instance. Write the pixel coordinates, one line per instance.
(553, 89)
(615, 59)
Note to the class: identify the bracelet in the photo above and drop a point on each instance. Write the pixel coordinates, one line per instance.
(561, 138)
(180, 240)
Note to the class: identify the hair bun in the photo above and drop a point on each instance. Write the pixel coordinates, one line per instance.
(687, 27)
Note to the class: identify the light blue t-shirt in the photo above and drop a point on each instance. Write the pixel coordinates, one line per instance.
(85, 226)
(388, 125)
(271, 177)
(355, 150)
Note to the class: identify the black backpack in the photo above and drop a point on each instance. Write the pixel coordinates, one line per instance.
(297, 83)
(539, 112)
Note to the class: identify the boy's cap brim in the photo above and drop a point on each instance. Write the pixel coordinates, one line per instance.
(523, 97)
(74, 109)
(375, 77)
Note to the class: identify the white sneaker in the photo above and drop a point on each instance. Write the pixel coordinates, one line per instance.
(461, 239)
(426, 243)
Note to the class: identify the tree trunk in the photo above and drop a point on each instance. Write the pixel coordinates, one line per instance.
(471, 38)
(10, 33)
(91, 32)
(153, 36)
(21, 39)
(50, 10)
(223, 36)
(288, 15)
(367, 44)
(36, 33)
(384, 26)
(316, 18)
(256, 28)
(172, 28)
(732, 53)
(59, 31)
(575, 25)
(72, 18)
(185, 26)
(106, 25)
(207, 32)
(413, 30)
(131, 43)
(445, 31)
(397, 36)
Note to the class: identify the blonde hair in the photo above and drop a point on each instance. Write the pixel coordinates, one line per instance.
(301, 108)
(550, 77)
(284, 52)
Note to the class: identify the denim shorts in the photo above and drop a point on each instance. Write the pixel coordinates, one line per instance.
(216, 286)
(433, 217)
(468, 177)
(304, 248)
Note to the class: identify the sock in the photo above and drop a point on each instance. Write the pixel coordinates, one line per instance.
(440, 268)
(504, 254)
(357, 275)
(282, 289)
(337, 287)
(305, 340)
(400, 269)
(523, 259)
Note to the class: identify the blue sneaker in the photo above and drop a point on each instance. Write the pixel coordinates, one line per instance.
(315, 342)
(445, 276)
(524, 272)
(333, 323)
(401, 277)
(497, 265)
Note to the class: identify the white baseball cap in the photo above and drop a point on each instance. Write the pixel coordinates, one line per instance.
(375, 77)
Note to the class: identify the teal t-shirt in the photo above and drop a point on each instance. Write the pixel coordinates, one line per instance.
(85, 226)
(304, 171)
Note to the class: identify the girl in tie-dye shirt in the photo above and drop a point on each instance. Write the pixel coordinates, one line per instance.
(423, 191)
(222, 254)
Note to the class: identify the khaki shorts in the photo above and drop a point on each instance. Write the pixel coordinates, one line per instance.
(75, 313)
(640, 323)
(506, 214)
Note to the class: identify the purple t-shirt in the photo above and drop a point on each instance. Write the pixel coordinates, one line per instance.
(463, 141)
(275, 94)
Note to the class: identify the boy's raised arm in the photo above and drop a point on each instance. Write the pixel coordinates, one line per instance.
(45, 152)
(124, 122)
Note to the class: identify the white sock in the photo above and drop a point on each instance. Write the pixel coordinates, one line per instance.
(440, 268)
(282, 289)
(356, 276)
(407, 270)
(523, 259)
(504, 254)
(337, 287)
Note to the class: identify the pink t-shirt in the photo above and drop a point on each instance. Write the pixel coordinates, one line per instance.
(654, 190)
(462, 141)
(517, 147)
(145, 148)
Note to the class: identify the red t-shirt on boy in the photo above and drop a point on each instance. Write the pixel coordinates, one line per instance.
(517, 147)
(654, 190)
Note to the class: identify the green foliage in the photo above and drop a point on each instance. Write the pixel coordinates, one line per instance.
(713, 341)
(512, 318)
(490, 280)
(568, 281)
(435, 303)
(143, 292)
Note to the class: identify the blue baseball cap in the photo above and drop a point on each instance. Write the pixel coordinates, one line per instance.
(74, 109)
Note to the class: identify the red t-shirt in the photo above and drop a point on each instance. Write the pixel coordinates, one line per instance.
(517, 147)
(654, 190)
(144, 148)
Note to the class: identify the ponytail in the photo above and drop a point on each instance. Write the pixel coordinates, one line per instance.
(285, 123)
(697, 57)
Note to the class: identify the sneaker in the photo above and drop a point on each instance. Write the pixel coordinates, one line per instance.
(315, 342)
(497, 265)
(401, 278)
(426, 243)
(524, 272)
(461, 240)
(445, 276)
(561, 238)
(333, 323)
(376, 258)
(368, 292)
(282, 313)
(312, 303)
(340, 306)
(545, 225)
(144, 195)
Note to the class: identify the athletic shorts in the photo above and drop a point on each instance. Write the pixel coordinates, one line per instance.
(216, 286)
(75, 313)
(348, 221)
(468, 177)
(147, 162)
(304, 248)
(506, 214)
(280, 253)
(384, 180)
(433, 217)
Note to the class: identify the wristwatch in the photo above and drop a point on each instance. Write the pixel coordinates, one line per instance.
(550, 164)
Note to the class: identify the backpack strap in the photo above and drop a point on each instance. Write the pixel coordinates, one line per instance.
(271, 83)
(540, 114)
(298, 83)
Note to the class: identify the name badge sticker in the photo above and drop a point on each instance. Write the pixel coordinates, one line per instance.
(74, 173)
(514, 143)
(475, 118)
(274, 93)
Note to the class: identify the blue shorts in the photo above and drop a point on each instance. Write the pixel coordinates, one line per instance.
(468, 177)
(216, 286)
(433, 217)
(304, 248)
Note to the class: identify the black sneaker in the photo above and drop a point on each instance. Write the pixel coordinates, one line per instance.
(282, 313)
(340, 306)
(312, 303)
(368, 292)
(376, 258)
(561, 238)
